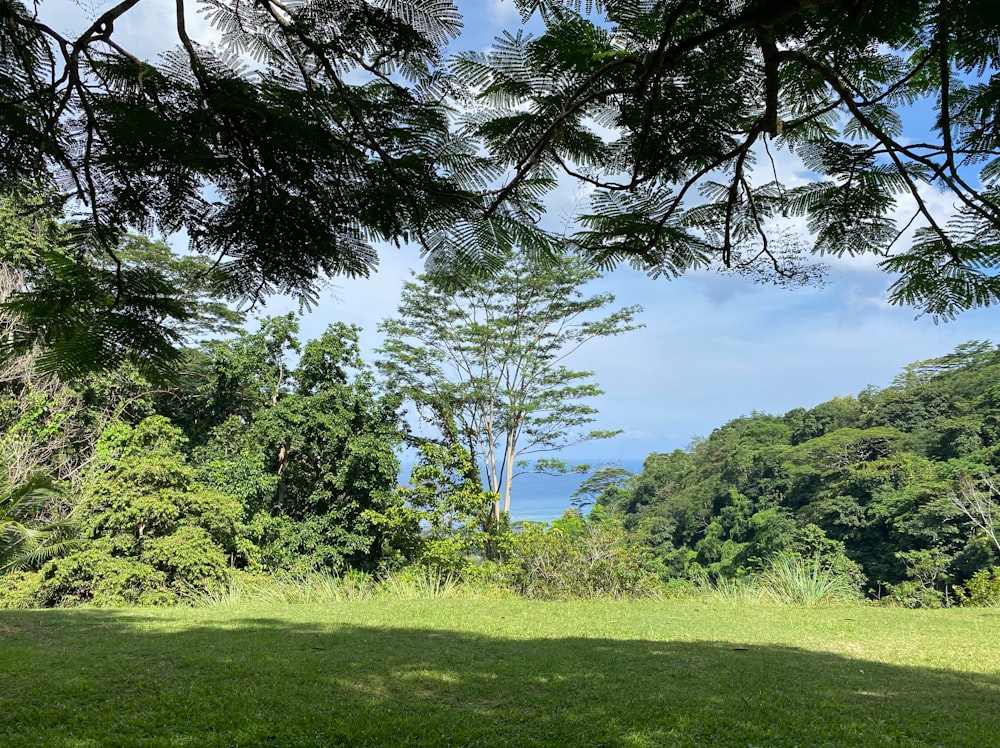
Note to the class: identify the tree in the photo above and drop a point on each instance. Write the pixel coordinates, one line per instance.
(307, 445)
(284, 145)
(483, 363)
(443, 522)
(662, 110)
(979, 506)
(153, 532)
(602, 487)
(314, 130)
(63, 310)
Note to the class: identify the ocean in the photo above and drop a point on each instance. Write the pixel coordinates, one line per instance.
(535, 497)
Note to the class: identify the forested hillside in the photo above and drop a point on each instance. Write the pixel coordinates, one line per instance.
(895, 486)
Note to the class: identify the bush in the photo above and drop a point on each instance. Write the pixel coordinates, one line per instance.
(97, 576)
(790, 578)
(19, 589)
(150, 533)
(982, 590)
(188, 558)
(578, 559)
(912, 594)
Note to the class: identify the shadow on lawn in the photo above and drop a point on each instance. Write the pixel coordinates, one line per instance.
(96, 678)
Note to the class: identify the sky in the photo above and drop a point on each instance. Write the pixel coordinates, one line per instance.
(714, 347)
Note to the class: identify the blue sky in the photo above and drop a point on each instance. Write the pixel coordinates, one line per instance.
(714, 347)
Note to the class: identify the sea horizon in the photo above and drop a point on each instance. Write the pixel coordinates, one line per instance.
(540, 497)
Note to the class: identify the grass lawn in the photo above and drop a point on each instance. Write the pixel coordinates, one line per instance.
(500, 673)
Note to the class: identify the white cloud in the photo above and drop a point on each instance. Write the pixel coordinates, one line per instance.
(146, 30)
(503, 13)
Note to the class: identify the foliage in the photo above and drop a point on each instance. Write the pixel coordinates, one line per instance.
(669, 112)
(154, 533)
(874, 488)
(308, 447)
(283, 150)
(484, 362)
(312, 131)
(578, 557)
(606, 484)
(19, 589)
(790, 578)
(74, 300)
(29, 534)
(103, 574)
(982, 589)
(443, 523)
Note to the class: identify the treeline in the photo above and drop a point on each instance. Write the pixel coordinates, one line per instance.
(894, 487)
(265, 457)
(266, 460)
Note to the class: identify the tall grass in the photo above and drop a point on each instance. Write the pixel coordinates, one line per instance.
(413, 583)
(744, 590)
(789, 579)
(792, 579)
(241, 588)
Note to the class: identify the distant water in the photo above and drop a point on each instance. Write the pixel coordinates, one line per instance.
(543, 498)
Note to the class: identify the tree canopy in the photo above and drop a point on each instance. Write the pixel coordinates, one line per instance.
(296, 137)
(898, 485)
(665, 108)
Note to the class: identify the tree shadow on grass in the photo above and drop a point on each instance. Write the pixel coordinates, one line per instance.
(102, 678)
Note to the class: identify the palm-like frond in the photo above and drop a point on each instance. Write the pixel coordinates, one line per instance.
(29, 536)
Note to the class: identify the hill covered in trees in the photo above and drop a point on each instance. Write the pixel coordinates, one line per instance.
(894, 486)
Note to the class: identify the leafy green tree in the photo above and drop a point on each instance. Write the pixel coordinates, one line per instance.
(153, 532)
(650, 104)
(306, 444)
(604, 486)
(442, 522)
(341, 134)
(282, 171)
(483, 362)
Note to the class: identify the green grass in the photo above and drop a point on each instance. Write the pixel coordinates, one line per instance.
(500, 673)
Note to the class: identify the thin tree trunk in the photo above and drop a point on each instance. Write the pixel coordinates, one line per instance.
(284, 453)
(508, 461)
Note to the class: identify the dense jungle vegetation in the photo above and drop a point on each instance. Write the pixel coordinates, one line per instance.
(269, 459)
(895, 487)
(153, 450)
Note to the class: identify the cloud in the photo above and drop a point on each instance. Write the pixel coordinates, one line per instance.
(503, 12)
(146, 30)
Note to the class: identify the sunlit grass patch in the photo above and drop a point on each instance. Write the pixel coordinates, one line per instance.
(488, 672)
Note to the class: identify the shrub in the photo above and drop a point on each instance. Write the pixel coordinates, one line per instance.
(790, 578)
(188, 558)
(983, 589)
(152, 534)
(98, 576)
(19, 589)
(578, 559)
